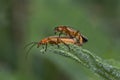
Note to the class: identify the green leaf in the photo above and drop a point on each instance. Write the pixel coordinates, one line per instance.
(88, 60)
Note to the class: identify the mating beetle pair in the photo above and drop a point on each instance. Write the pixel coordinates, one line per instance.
(72, 37)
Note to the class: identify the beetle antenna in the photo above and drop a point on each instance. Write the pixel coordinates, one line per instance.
(30, 44)
(33, 44)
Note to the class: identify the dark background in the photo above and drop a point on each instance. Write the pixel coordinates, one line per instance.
(24, 21)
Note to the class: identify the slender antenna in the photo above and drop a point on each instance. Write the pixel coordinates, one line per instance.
(30, 44)
(33, 44)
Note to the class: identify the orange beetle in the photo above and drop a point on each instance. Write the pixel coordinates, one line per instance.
(52, 40)
(71, 33)
(57, 40)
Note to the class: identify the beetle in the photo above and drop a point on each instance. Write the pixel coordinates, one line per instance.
(71, 33)
(54, 40)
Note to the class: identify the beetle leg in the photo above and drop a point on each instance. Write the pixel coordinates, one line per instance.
(77, 36)
(66, 44)
(45, 46)
(58, 40)
(60, 34)
(76, 33)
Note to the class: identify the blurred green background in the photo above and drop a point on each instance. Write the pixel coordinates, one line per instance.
(24, 21)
